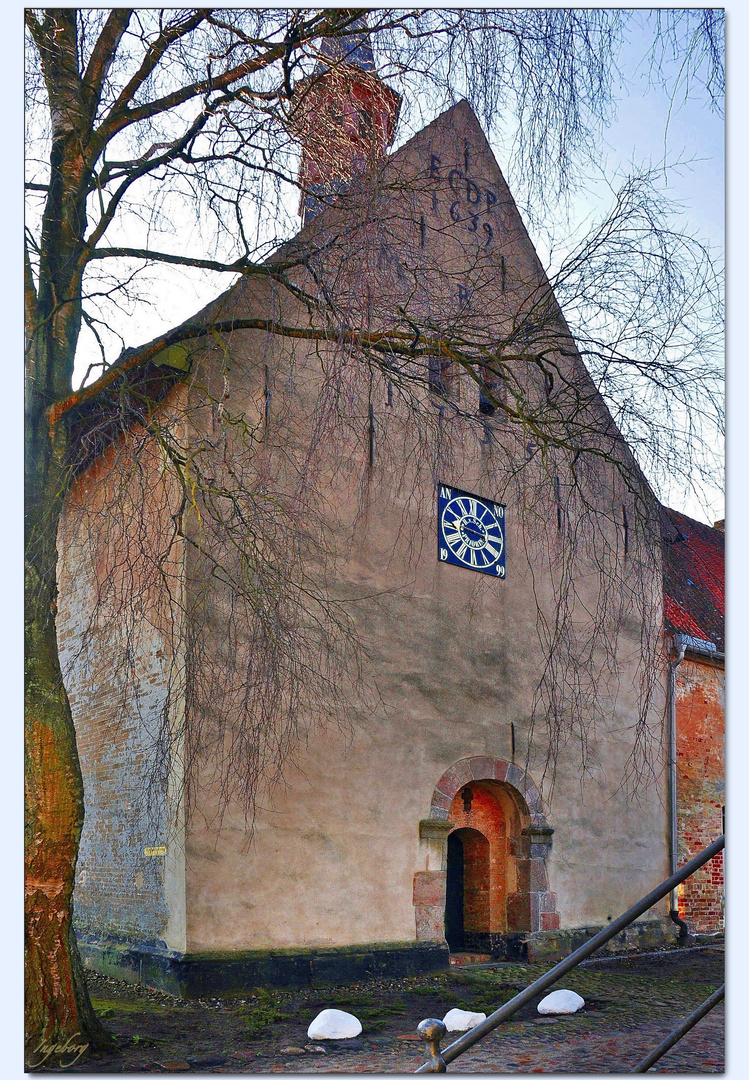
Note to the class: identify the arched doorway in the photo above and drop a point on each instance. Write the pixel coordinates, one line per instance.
(497, 801)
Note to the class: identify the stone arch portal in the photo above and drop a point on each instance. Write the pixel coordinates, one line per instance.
(485, 844)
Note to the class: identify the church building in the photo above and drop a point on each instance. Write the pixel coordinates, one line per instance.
(378, 694)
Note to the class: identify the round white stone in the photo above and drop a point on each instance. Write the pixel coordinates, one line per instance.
(461, 1020)
(561, 1001)
(334, 1024)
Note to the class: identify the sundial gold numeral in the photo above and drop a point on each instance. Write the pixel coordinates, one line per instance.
(443, 553)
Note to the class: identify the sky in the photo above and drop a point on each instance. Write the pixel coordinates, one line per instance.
(649, 129)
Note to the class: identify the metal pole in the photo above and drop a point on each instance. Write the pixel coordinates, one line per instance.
(681, 1030)
(511, 1007)
(673, 816)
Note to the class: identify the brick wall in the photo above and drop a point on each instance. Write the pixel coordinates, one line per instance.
(484, 859)
(700, 788)
(116, 651)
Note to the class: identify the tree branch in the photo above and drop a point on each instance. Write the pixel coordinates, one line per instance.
(29, 289)
(154, 53)
(240, 266)
(102, 56)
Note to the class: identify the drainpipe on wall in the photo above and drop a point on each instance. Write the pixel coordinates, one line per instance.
(680, 645)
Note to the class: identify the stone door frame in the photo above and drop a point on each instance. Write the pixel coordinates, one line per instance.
(532, 907)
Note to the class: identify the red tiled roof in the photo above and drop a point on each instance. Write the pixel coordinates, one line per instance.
(694, 580)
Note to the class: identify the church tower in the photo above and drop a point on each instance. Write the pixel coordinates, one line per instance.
(345, 118)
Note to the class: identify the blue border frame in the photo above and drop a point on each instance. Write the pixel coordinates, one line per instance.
(445, 493)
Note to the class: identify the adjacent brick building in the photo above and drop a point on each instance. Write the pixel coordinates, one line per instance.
(694, 602)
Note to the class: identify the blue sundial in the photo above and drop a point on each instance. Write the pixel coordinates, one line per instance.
(471, 531)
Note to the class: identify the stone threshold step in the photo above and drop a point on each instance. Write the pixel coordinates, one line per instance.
(458, 958)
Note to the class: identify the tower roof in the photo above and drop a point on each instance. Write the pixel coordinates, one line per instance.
(354, 48)
(344, 116)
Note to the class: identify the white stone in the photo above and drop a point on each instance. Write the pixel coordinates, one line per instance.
(334, 1024)
(461, 1020)
(561, 1001)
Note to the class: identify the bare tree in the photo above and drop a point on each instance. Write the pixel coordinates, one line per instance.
(141, 121)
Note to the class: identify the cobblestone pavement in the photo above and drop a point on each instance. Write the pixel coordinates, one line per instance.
(631, 1004)
(552, 1048)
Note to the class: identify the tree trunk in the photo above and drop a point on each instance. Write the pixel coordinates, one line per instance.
(60, 1022)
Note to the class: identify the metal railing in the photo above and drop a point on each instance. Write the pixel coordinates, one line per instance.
(681, 1030)
(433, 1031)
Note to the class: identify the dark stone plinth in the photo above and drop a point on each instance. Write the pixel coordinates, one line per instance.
(651, 934)
(215, 974)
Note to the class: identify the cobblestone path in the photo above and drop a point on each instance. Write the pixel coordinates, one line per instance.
(553, 1048)
(631, 1004)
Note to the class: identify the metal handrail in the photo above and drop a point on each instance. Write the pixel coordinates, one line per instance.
(433, 1031)
(681, 1030)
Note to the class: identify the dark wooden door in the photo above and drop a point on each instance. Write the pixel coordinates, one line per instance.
(454, 897)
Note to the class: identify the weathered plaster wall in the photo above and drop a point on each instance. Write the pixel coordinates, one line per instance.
(700, 725)
(334, 857)
(455, 655)
(338, 857)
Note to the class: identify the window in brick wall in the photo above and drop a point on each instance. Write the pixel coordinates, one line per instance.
(494, 387)
(443, 377)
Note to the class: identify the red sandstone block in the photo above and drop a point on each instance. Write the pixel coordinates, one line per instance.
(518, 912)
(443, 801)
(430, 923)
(538, 879)
(462, 771)
(549, 920)
(429, 887)
(482, 768)
(455, 777)
(548, 903)
(500, 770)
